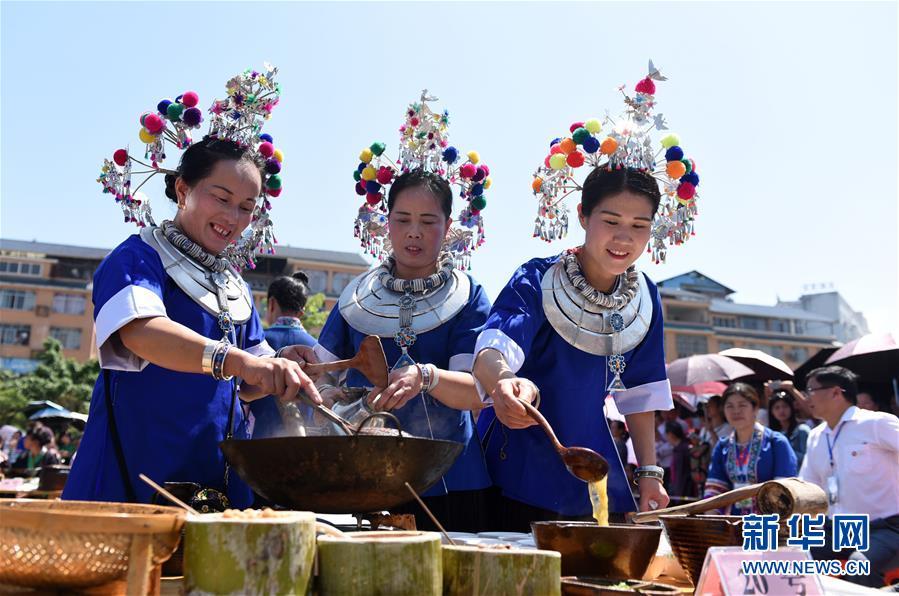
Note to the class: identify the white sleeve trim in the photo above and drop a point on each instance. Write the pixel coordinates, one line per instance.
(323, 354)
(511, 351)
(461, 362)
(645, 398)
(497, 340)
(262, 349)
(130, 303)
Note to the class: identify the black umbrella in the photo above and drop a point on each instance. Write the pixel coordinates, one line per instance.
(53, 416)
(873, 357)
(816, 361)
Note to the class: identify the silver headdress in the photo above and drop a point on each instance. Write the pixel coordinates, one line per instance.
(627, 144)
(423, 144)
(252, 95)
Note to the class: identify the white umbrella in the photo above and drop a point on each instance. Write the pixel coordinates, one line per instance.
(765, 366)
(703, 368)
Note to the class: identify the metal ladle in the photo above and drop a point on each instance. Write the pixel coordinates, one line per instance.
(584, 464)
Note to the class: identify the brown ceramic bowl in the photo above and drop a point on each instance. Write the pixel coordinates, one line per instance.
(617, 551)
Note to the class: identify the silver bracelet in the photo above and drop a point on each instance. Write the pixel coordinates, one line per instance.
(218, 361)
(654, 472)
(425, 377)
(435, 377)
(206, 360)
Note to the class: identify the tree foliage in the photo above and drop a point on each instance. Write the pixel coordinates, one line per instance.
(57, 378)
(315, 316)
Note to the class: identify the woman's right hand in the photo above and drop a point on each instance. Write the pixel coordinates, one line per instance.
(506, 404)
(280, 377)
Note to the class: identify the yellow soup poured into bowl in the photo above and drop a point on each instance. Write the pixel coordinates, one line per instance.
(599, 500)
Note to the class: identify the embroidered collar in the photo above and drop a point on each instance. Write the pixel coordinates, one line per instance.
(288, 322)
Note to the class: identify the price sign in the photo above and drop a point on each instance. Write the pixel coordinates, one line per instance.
(722, 574)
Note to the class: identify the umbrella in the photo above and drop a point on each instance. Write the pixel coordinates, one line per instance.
(703, 368)
(53, 415)
(765, 367)
(816, 361)
(34, 406)
(873, 357)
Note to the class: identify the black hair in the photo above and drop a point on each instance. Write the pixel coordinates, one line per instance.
(742, 389)
(773, 422)
(430, 181)
(675, 429)
(291, 292)
(837, 376)
(602, 183)
(200, 158)
(42, 434)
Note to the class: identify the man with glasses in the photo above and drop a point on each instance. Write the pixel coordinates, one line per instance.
(854, 456)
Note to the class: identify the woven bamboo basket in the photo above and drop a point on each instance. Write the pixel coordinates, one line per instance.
(81, 544)
(692, 536)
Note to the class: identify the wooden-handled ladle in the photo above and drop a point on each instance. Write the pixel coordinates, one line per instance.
(717, 502)
(583, 463)
(369, 360)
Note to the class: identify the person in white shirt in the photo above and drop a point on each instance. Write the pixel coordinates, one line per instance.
(854, 456)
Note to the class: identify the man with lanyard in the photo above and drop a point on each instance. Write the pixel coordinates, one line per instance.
(854, 456)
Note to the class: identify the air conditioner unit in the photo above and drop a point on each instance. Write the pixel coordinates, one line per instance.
(42, 310)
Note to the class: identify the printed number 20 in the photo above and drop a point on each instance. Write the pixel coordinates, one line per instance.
(759, 585)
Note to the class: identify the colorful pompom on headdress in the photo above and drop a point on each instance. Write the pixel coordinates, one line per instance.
(238, 118)
(423, 144)
(616, 144)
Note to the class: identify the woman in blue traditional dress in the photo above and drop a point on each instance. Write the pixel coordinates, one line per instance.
(573, 328)
(427, 310)
(287, 297)
(175, 323)
(752, 453)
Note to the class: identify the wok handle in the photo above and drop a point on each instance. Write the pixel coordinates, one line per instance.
(387, 415)
(716, 502)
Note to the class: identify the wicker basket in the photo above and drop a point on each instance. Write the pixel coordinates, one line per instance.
(80, 544)
(692, 536)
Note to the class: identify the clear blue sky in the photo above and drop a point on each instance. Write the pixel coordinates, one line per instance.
(788, 108)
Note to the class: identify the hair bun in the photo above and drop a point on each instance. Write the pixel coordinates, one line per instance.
(170, 187)
(301, 276)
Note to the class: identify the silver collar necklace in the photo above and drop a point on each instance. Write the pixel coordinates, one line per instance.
(626, 285)
(174, 235)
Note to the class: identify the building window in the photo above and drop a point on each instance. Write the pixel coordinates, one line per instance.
(724, 345)
(15, 335)
(797, 354)
(69, 304)
(339, 281)
(318, 280)
(69, 337)
(20, 268)
(724, 322)
(751, 323)
(687, 345)
(17, 299)
(776, 351)
(779, 325)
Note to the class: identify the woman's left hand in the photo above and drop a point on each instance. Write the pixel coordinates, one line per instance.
(301, 355)
(402, 385)
(652, 492)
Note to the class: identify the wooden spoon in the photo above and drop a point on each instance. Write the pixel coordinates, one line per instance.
(583, 463)
(716, 502)
(369, 360)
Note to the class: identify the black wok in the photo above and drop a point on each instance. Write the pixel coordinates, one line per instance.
(338, 474)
